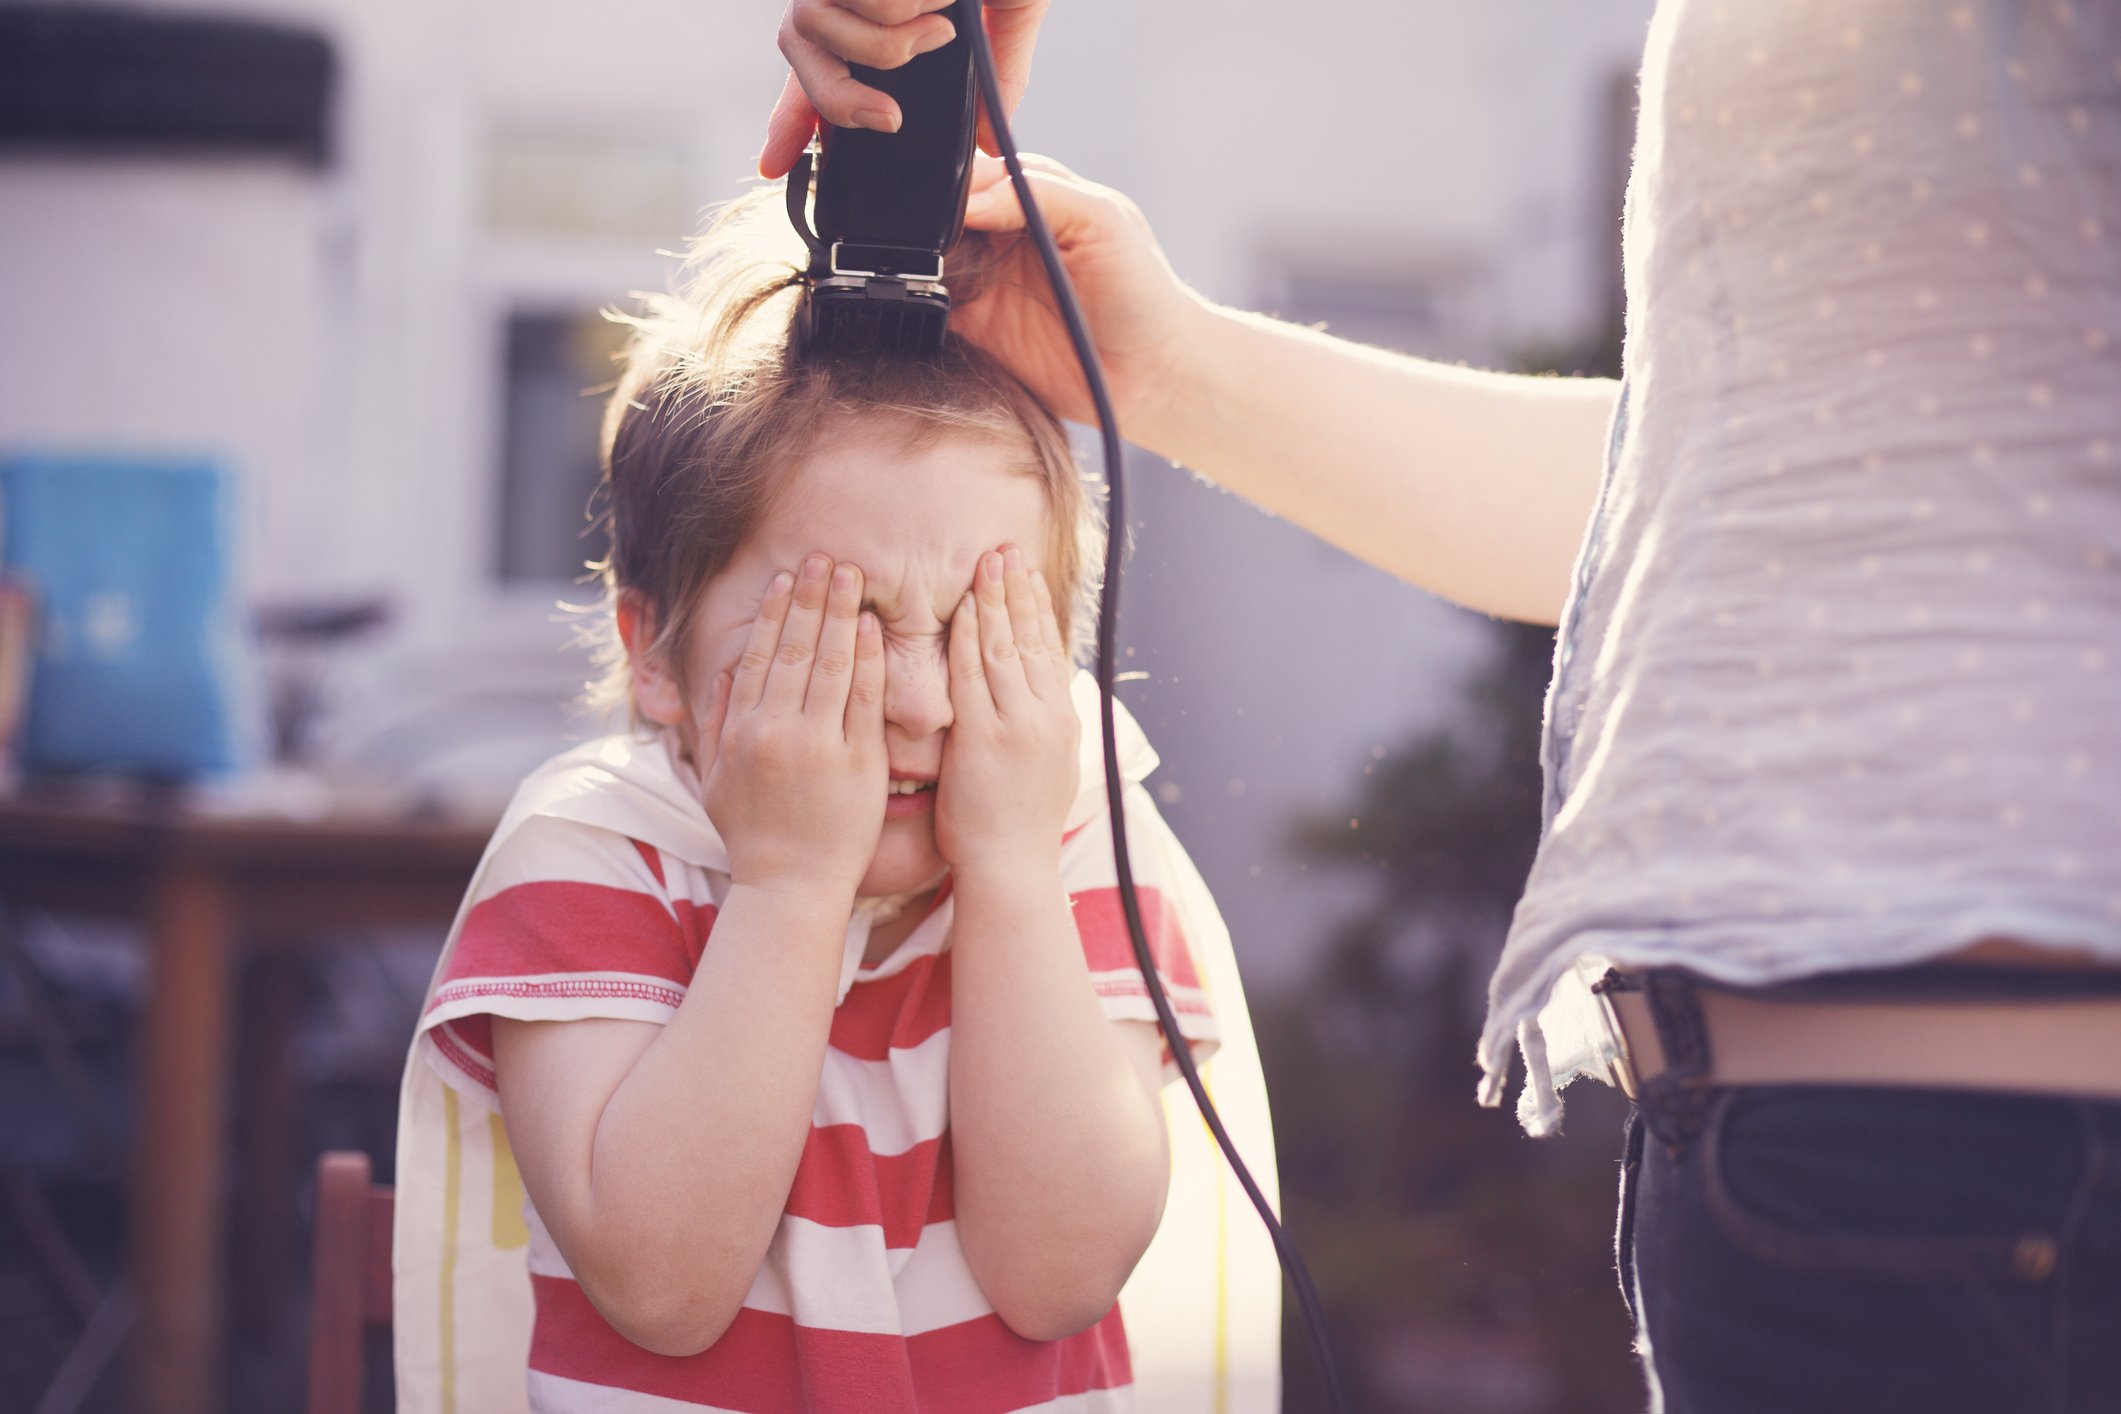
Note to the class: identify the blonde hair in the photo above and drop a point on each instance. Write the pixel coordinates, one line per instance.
(714, 406)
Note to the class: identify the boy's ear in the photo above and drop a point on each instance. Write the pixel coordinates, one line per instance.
(655, 687)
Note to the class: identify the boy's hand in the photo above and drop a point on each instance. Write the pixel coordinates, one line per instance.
(1010, 768)
(798, 775)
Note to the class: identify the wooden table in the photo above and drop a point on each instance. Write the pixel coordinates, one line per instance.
(205, 883)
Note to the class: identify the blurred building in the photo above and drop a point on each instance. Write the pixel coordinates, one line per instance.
(392, 345)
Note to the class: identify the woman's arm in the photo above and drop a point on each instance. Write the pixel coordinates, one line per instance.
(660, 1158)
(1056, 1124)
(1474, 485)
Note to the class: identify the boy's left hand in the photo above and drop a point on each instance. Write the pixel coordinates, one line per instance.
(1010, 766)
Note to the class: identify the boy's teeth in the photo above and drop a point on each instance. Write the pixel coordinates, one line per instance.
(908, 787)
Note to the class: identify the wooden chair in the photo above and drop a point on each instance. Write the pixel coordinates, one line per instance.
(350, 1279)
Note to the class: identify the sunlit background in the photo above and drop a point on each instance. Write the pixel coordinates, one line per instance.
(339, 266)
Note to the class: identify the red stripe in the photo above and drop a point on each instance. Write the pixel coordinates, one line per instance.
(896, 1012)
(768, 1363)
(476, 1033)
(695, 922)
(653, 858)
(1107, 948)
(1000, 1370)
(463, 1060)
(568, 926)
(839, 1183)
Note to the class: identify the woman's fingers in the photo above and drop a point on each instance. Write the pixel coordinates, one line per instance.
(859, 39)
(788, 682)
(820, 38)
(788, 129)
(756, 665)
(1062, 196)
(838, 96)
(1000, 654)
(833, 672)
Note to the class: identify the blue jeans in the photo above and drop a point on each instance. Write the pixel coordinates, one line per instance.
(1829, 1250)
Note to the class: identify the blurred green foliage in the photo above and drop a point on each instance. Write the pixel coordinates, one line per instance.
(1467, 1269)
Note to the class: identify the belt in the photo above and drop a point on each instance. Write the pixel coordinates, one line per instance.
(1700, 1034)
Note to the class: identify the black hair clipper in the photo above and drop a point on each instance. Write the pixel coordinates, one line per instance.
(888, 207)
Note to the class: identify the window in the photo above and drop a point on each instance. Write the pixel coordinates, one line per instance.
(557, 364)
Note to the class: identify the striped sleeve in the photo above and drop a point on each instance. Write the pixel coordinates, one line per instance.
(1174, 908)
(569, 921)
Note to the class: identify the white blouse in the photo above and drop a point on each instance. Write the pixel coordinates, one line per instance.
(1841, 684)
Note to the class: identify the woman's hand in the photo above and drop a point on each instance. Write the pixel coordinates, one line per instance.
(1010, 766)
(798, 776)
(820, 38)
(1148, 326)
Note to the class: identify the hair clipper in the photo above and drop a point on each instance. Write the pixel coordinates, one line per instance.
(888, 207)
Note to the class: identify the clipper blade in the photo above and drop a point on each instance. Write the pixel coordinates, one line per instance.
(875, 315)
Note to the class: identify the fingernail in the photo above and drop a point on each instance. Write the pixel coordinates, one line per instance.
(846, 577)
(868, 624)
(814, 567)
(782, 583)
(1014, 559)
(929, 43)
(876, 119)
(990, 568)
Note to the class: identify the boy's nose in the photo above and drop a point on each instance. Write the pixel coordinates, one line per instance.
(917, 688)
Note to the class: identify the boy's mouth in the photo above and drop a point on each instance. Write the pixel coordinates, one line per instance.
(909, 795)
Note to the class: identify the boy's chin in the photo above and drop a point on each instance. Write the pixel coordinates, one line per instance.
(906, 860)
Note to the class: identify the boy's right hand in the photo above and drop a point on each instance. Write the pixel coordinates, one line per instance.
(796, 774)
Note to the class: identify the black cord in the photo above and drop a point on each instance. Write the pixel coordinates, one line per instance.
(969, 16)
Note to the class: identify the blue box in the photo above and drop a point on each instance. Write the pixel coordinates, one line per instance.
(143, 662)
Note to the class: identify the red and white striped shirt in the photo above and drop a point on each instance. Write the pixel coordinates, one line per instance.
(865, 1302)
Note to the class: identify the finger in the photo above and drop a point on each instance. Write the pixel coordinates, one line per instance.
(834, 669)
(1066, 200)
(709, 744)
(757, 663)
(988, 169)
(1051, 618)
(1024, 627)
(891, 12)
(838, 96)
(1002, 658)
(968, 675)
(1031, 630)
(789, 680)
(858, 40)
(788, 130)
(865, 694)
